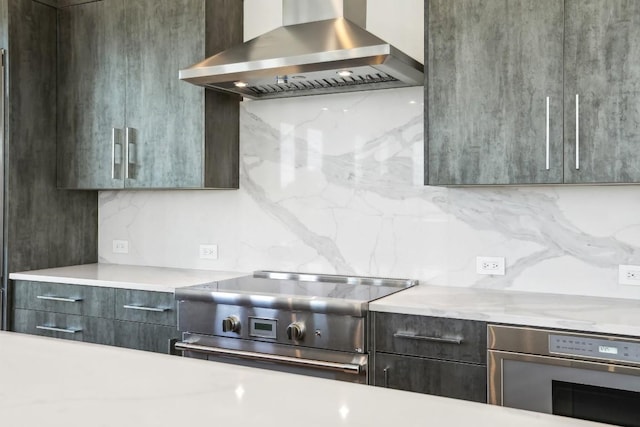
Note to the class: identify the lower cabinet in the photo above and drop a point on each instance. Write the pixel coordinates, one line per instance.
(66, 326)
(430, 376)
(145, 336)
(431, 355)
(142, 320)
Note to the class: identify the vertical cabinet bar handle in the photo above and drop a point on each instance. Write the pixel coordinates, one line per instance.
(577, 131)
(547, 145)
(130, 153)
(126, 153)
(385, 371)
(116, 155)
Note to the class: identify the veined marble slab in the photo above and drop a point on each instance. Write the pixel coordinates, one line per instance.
(334, 184)
(158, 279)
(51, 382)
(581, 313)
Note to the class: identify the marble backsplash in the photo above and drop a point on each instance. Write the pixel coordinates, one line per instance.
(333, 184)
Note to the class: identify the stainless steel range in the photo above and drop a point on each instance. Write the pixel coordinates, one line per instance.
(303, 323)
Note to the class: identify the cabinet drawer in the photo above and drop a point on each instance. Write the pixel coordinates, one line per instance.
(66, 326)
(434, 337)
(64, 298)
(146, 306)
(144, 336)
(441, 378)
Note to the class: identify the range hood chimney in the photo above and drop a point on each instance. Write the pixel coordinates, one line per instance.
(323, 47)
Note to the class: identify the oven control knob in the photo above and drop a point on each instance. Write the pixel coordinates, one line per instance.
(231, 324)
(295, 331)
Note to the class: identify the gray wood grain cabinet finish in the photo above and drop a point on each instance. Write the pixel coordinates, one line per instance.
(514, 82)
(146, 307)
(492, 65)
(65, 326)
(440, 356)
(443, 378)
(602, 53)
(142, 320)
(64, 298)
(126, 120)
(44, 227)
(145, 336)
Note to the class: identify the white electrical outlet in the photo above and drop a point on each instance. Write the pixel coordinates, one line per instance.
(120, 246)
(490, 265)
(208, 251)
(629, 275)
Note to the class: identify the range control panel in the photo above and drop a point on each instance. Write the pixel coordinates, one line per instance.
(597, 348)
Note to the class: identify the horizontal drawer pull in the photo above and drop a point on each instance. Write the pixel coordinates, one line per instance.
(409, 336)
(54, 298)
(54, 329)
(144, 308)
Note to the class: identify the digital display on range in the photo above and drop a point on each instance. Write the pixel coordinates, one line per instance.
(262, 328)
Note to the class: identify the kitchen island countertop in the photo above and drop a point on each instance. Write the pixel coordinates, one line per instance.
(49, 382)
(161, 279)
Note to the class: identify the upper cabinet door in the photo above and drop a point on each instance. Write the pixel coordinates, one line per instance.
(91, 95)
(495, 92)
(602, 91)
(165, 116)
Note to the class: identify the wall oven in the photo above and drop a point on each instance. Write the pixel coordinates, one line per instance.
(586, 376)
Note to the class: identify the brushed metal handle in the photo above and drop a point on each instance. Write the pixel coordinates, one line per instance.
(547, 144)
(145, 308)
(116, 155)
(577, 131)
(54, 298)
(409, 336)
(348, 368)
(55, 329)
(385, 371)
(129, 152)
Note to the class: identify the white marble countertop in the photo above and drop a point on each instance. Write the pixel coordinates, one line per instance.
(159, 279)
(589, 314)
(50, 382)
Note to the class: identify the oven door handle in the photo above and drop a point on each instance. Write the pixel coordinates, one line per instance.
(348, 368)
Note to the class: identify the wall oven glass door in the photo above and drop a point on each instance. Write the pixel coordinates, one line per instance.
(588, 390)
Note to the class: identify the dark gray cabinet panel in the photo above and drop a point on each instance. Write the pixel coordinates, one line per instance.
(492, 64)
(166, 114)
(169, 133)
(434, 355)
(145, 336)
(44, 227)
(602, 53)
(142, 320)
(64, 298)
(91, 95)
(78, 328)
(441, 378)
(146, 307)
(407, 334)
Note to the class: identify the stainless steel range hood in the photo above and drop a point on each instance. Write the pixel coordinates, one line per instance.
(322, 48)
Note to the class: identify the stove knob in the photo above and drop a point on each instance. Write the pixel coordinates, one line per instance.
(295, 331)
(231, 324)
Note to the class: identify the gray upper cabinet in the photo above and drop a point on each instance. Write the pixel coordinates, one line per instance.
(502, 84)
(602, 53)
(91, 94)
(492, 65)
(126, 120)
